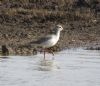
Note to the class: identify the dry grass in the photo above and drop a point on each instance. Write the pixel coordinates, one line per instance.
(43, 14)
(50, 9)
(57, 1)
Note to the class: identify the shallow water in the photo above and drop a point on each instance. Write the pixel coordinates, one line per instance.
(75, 67)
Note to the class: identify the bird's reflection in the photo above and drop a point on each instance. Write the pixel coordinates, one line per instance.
(47, 65)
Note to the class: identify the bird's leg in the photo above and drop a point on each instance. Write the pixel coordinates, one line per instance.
(44, 53)
(53, 55)
(51, 52)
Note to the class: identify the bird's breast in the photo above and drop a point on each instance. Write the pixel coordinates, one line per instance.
(51, 42)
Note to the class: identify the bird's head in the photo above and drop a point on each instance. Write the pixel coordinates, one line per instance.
(59, 27)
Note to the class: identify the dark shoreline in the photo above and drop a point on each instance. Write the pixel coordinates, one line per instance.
(21, 25)
(71, 37)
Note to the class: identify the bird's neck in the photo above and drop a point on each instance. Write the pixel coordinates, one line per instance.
(57, 34)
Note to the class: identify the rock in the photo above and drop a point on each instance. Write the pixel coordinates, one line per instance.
(5, 50)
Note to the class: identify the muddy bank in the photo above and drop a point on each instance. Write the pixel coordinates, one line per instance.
(23, 23)
(75, 34)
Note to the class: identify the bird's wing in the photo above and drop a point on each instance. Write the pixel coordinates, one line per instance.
(41, 40)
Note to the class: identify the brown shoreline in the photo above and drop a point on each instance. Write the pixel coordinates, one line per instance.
(75, 34)
(21, 25)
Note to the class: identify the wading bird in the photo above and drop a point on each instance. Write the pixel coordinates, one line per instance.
(49, 40)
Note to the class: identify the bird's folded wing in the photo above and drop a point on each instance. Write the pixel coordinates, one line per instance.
(36, 43)
(41, 40)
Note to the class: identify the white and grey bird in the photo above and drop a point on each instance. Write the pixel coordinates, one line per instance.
(48, 40)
